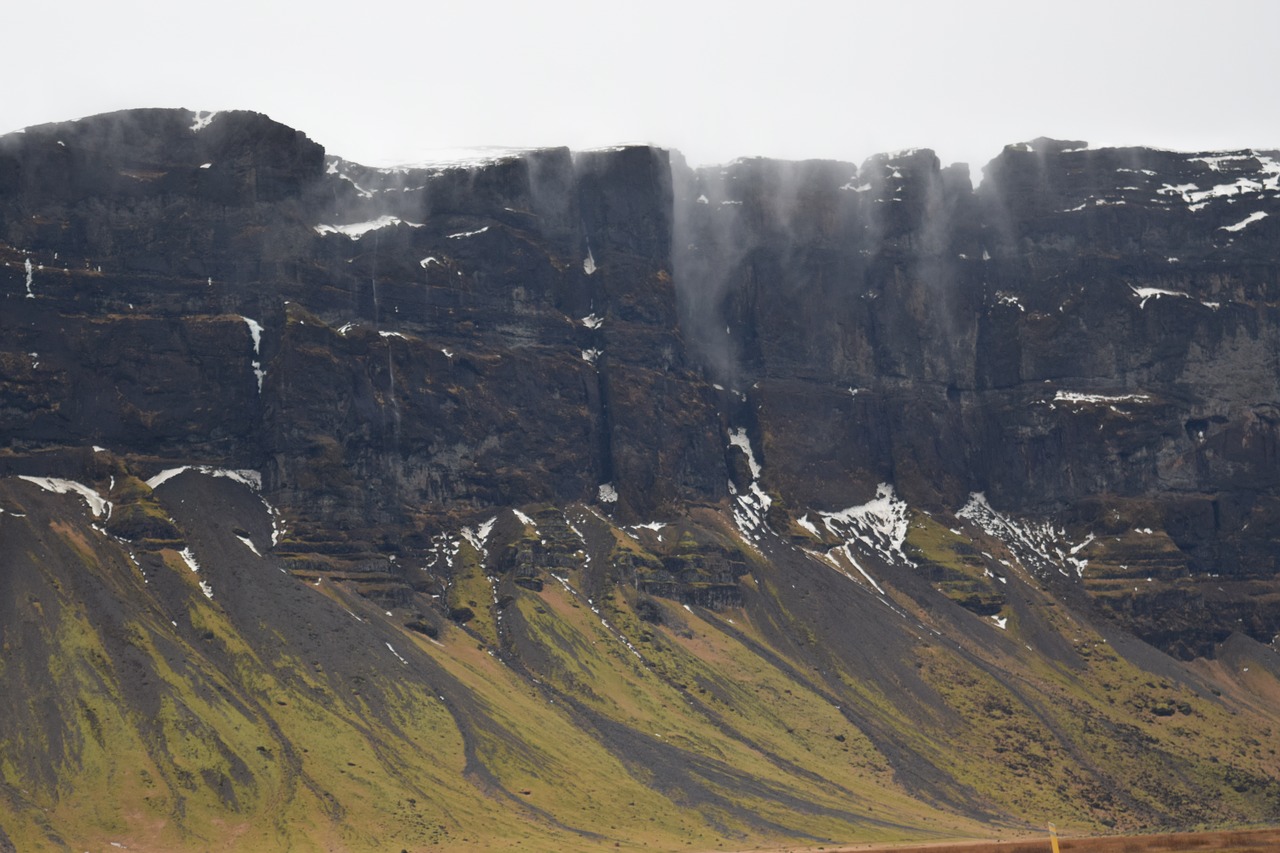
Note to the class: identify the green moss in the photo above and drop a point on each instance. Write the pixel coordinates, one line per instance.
(954, 565)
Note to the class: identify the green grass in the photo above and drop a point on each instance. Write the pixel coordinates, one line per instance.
(554, 723)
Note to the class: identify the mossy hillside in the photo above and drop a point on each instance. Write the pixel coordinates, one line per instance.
(540, 635)
(799, 724)
(535, 749)
(218, 766)
(748, 726)
(954, 565)
(1094, 738)
(589, 712)
(163, 760)
(470, 596)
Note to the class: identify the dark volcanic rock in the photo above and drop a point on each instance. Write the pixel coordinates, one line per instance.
(394, 349)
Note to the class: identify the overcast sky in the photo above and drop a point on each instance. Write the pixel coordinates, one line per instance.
(384, 80)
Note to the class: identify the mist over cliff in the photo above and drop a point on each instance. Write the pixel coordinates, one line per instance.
(907, 456)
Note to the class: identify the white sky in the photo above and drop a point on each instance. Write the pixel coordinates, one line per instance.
(392, 80)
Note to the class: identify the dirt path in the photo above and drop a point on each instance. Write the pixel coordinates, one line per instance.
(1227, 841)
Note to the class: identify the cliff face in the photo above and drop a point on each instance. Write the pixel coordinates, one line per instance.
(1090, 337)
(457, 392)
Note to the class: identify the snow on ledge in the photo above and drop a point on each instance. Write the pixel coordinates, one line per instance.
(250, 478)
(1145, 293)
(1078, 397)
(462, 235)
(356, 230)
(460, 157)
(1244, 223)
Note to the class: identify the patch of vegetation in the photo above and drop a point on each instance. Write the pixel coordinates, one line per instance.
(954, 565)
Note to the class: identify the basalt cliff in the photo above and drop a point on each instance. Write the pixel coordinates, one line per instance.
(578, 500)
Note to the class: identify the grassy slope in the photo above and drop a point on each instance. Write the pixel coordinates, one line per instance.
(285, 713)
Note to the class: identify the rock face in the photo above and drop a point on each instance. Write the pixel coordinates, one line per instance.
(1090, 336)
(477, 396)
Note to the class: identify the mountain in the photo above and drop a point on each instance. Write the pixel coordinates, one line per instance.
(570, 500)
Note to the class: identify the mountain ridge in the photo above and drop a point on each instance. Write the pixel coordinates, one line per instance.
(956, 454)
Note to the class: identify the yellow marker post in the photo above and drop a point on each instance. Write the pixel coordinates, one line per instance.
(1053, 838)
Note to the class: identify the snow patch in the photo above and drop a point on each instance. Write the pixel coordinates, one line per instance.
(356, 230)
(1077, 399)
(202, 119)
(589, 263)
(591, 321)
(190, 559)
(1003, 298)
(30, 279)
(878, 526)
(1266, 178)
(462, 235)
(248, 543)
(1035, 544)
(97, 505)
(247, 477)
(738, 438)
(607, 494)
(751, 508)
(255, 331)
(1244, 223)
(1145, 293)
(479, 537)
